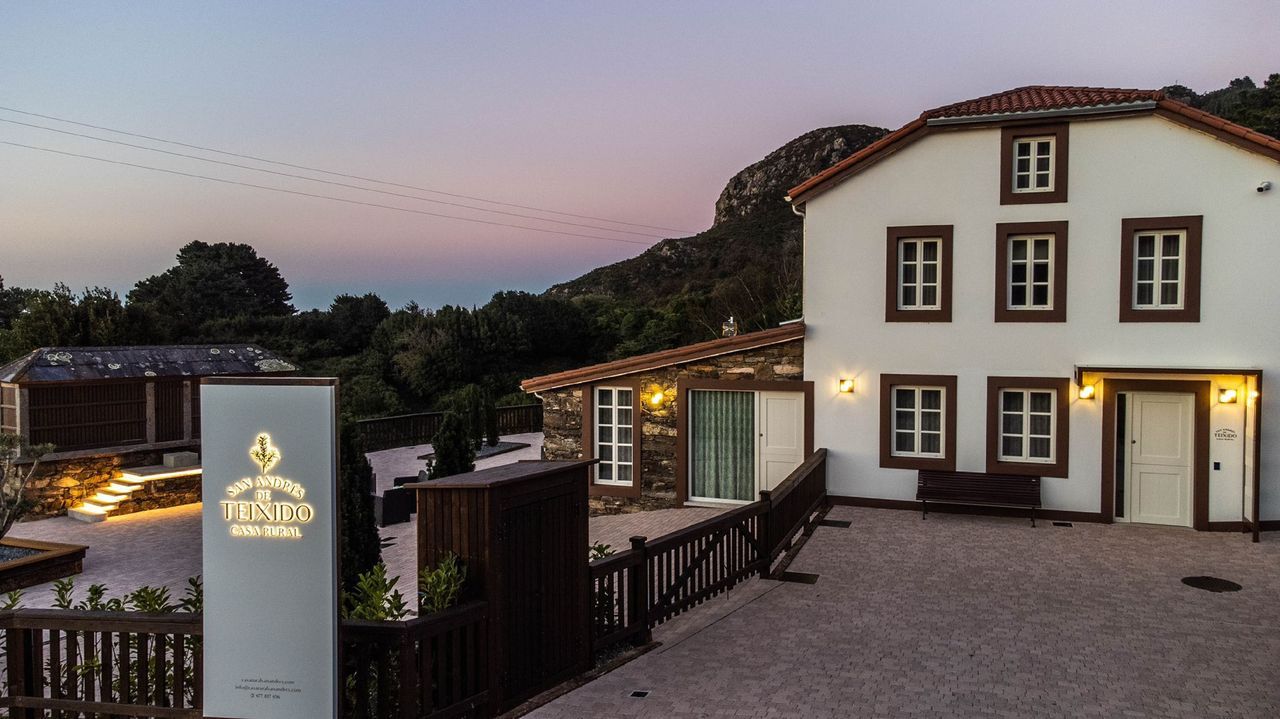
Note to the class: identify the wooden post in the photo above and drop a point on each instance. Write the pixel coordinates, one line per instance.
(762, 523)
(151, 413)
(17, 643)
(187, 423)
(410, 677)
(638, 584)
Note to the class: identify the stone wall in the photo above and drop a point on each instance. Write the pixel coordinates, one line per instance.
(59, 485)
(562, 418)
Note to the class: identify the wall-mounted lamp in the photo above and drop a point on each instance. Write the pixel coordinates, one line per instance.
(846, 386)
(1253, 394)
(1226, 396)
(1086, 391)
(657, 398)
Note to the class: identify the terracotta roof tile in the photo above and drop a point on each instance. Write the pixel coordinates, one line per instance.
(665, 358)
(1043, 97)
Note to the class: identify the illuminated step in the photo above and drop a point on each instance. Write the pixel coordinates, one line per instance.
(108, 500)
(122, 488)
(89, 512)
(151, 474)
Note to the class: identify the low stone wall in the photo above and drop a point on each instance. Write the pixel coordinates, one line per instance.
(562, 418)
(61, 484)
(161, 493)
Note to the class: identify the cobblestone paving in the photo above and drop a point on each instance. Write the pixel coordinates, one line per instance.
(962, 616)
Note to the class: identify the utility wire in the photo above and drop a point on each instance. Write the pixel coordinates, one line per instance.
(318, 196)
(327, 182)
(343, 174)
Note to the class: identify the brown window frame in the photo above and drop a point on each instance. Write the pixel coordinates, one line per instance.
(1193, 226)
(637, 438)
(945, 463)
(1061, 152)
(1005, 230)
(894, 235)
(1062, 426)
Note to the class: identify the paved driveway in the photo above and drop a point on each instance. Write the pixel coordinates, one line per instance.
(973, 616)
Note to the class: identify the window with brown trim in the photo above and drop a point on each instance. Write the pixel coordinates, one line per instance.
(918, 274)
(1033, 164)
(918, 421)
(611, 432)
(1160, 269)
(1031, 272)
(1028, 425)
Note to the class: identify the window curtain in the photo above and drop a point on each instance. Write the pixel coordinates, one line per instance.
(722, 456)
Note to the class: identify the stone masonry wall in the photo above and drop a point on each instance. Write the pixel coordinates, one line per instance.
(61, 484)
(562, 418)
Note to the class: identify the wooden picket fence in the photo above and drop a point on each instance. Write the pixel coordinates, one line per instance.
(657, 579)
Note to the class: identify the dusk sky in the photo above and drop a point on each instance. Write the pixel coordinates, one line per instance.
(637, 112)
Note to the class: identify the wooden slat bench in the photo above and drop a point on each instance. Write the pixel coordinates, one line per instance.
(978, 488)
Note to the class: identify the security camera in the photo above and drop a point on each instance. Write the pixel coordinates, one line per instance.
(1264, 186)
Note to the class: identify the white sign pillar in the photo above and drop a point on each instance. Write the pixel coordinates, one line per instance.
(269, 451)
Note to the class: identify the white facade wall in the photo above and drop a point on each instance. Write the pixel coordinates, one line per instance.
(1141, 166)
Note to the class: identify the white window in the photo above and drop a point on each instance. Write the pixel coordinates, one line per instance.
(918, 419)
(919, 267)
(1030, 272)
(1159, 259)
(1027, 425)
(1033, 164)
(613, 435)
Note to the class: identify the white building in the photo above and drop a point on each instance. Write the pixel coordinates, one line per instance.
(1074, 283)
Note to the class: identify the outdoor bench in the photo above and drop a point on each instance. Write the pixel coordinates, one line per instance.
(978, 488)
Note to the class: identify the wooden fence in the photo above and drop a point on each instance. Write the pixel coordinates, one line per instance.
(655, 580)
(70, 663)
(434, 666)
(407, 430)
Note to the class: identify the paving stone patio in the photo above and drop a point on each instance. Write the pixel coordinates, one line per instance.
(962, 616)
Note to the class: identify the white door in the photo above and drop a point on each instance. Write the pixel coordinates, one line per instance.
(1161, 438)
(781, 442)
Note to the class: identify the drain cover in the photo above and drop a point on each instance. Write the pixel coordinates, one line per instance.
(841, 523)
(798, 577)
(1063, 524)
(1211, 584)
(639, 694)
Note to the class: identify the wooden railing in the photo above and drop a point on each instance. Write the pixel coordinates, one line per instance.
(407, 430)
(70, 663)
(794, 501)
(433, 666)
(641, 587)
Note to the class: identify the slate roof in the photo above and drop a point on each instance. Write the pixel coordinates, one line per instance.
(73, 364)
(1037, 98)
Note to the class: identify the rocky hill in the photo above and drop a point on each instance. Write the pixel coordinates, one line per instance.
(748, 263)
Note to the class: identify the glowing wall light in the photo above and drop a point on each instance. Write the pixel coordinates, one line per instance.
(1086, 391)
(1227, 396)
(846, 386)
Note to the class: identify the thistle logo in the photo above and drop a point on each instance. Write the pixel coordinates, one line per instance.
(264, 517)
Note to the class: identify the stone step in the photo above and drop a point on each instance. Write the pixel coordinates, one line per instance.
(159, 471)
(106, 499)
(125, 488)
(88, 512)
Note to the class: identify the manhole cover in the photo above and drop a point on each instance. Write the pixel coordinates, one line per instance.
(1211, 584)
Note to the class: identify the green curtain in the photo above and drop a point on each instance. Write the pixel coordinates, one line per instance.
(722, 444)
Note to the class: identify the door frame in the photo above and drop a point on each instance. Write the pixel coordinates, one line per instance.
(685, 384)
(1111, 388)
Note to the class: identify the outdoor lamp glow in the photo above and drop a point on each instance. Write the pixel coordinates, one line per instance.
(846, 386)
(656, 399)
(1226, 396)
(1086, 391)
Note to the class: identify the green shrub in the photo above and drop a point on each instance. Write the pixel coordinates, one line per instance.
(438, 588)
(375, 598)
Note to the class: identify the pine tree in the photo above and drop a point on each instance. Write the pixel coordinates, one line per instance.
(454, 451)
(360, 547)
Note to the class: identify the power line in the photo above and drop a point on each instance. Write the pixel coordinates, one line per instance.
(318, 196)
(326, 182)
(343, 174)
